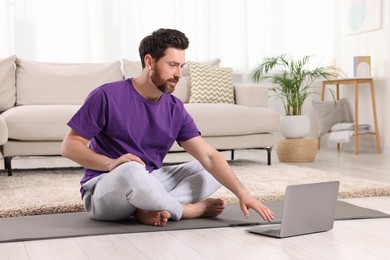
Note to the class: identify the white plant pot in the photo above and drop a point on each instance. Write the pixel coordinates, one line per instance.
(294, 126)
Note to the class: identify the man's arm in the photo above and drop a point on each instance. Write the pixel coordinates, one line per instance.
(75, 147)
(214, 162)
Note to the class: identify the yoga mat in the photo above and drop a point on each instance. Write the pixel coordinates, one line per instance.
(78, 224)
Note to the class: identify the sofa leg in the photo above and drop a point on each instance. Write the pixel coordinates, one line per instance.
(232, 155)
(269, 150)
(7, 165)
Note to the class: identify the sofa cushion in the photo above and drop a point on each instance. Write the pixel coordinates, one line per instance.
(131, 68)
(7, 83)
(251, 95)
(39, 122)
(231, 119)
(210, 84)
(212, 62)
(182, 90)
(3, 131)
(40, 83)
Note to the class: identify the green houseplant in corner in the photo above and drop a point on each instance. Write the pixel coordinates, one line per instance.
(292, 83)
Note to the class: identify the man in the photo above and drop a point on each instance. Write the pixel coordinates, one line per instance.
(129, 127)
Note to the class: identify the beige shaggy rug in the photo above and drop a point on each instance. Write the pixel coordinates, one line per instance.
(36, 192)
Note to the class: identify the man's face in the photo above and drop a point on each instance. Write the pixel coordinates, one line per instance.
(167, 71)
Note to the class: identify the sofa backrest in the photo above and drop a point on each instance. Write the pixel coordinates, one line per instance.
(26, 82)
(7, 83)
(40, 83)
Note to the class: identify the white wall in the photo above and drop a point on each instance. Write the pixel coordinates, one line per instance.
(375, 44)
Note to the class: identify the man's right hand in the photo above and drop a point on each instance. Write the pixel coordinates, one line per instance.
(74, 147)
(128, 157)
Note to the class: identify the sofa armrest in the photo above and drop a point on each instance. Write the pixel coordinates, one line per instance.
(3, 131)
(251, 95)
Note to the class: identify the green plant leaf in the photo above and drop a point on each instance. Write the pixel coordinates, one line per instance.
(292, 81)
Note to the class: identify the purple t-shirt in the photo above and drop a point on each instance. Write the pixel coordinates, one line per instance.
(118, 120)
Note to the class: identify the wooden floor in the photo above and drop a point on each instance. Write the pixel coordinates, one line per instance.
(354, 239)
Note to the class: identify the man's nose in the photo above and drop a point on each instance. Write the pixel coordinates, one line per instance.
(178, 73)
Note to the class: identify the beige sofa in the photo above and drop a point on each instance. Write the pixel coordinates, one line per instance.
(37, 99)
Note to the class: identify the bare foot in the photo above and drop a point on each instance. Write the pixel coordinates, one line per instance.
(152, 218)
(206, 208)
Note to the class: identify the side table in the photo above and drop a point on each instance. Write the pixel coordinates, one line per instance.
(356, 82)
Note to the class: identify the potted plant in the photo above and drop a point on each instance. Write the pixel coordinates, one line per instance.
(293, 85)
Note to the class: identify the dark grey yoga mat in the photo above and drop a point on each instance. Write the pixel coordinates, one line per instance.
(78, 224)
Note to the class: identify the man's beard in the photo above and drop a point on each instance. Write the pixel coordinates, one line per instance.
(161, 84)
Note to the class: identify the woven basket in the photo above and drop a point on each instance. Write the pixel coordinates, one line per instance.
(297, 150)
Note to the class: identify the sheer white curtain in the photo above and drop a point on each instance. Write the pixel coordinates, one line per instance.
(6, 29)
(240, 32)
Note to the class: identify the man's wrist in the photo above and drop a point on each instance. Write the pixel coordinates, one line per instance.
(109, 164)
(242, 193)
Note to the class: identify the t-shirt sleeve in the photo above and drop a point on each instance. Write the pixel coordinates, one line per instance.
(189, 129)
(90, 119)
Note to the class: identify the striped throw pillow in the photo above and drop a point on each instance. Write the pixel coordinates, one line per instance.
(210, 84)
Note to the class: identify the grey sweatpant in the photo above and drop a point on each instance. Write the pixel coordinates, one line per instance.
(116, 195)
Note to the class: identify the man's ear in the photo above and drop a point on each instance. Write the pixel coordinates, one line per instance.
(148, 61)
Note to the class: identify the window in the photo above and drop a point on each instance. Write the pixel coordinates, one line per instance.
(240, 32)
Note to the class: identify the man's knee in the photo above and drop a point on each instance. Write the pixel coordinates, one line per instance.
(130, 167)
(127, 171)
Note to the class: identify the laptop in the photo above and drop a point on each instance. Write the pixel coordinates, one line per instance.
(308, 208)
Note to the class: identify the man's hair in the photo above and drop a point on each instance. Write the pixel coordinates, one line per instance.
(160, 40)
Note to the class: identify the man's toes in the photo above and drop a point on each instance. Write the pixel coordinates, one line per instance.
(165, 214)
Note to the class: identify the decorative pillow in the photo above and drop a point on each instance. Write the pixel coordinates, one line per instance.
(7, 83)
(329, 113)
(210, 84)
(213, 62)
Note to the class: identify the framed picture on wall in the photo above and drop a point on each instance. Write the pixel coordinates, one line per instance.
(364, 15)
